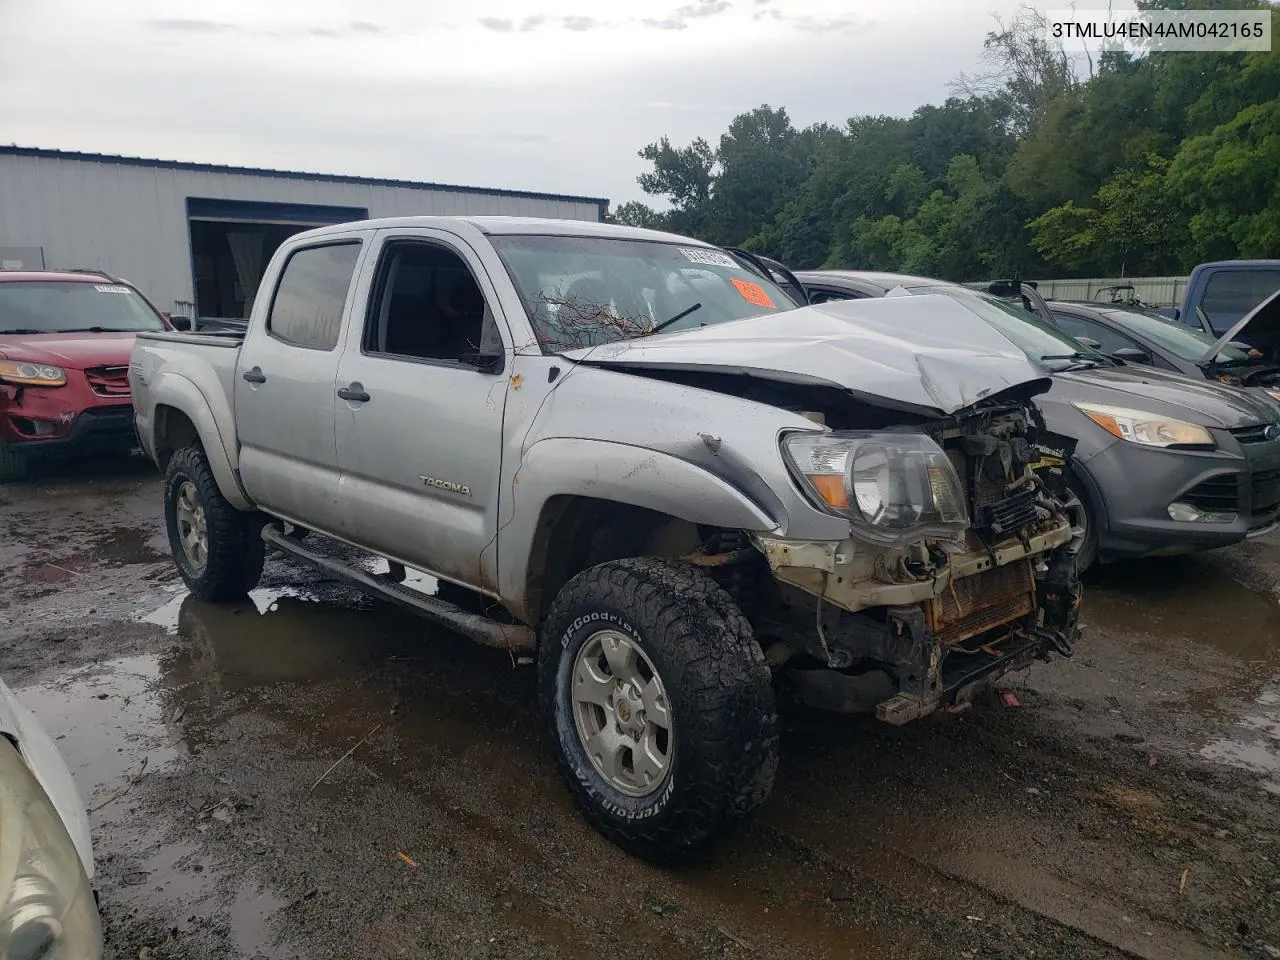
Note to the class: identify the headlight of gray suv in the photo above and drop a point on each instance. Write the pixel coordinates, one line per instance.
(894, 487)
(47, 910)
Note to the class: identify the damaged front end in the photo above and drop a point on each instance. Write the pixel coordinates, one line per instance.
(906, 622)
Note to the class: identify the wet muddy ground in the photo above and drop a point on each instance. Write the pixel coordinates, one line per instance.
(1126, 808)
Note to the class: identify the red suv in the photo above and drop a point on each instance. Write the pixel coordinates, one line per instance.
(65, 340)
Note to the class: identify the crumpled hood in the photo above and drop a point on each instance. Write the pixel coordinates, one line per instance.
(74, 350)
(1259, 327)
(925, 354)
(1204, 402)
(18, 724)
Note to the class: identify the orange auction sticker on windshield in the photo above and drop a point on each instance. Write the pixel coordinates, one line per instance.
(753, 293)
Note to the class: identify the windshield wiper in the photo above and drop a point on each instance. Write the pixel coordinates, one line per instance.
(666, 323)
(1080, 360)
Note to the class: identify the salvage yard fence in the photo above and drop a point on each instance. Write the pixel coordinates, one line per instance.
(1157, 291)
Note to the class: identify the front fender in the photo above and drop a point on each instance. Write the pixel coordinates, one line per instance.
(206, 413)
(614, 472)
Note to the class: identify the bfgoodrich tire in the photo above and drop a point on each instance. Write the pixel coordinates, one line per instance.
(218, 549)
(658, 705)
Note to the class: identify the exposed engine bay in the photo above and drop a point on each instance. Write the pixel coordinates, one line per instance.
(901, 631)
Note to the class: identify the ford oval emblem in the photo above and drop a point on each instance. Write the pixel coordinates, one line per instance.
(1272, 432)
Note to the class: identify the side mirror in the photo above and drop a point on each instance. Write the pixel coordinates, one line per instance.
(1088, 342)
(1241, 345)
(1130, 355)
(181, 323)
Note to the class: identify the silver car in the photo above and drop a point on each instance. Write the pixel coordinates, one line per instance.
(47, 908)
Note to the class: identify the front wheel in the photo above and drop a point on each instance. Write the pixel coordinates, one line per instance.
(658, 704)
(1084, 526)
(218, 549)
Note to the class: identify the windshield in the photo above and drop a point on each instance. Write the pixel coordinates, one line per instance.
(1040, 341)
(585, 291)
(1179, 339)
(64, 306)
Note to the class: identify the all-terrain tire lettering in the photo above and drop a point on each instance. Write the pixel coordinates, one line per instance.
(724, 749)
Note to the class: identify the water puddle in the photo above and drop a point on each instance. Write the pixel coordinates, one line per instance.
(116, 547)
(109, 723)
(1186, 598)
(1255, 741)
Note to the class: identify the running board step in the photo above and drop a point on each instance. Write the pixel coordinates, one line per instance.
(477, 627)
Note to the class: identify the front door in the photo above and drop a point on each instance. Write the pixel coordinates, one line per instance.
(419, 409)
(285, 381)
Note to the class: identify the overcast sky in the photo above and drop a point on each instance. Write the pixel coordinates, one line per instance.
(554, 95)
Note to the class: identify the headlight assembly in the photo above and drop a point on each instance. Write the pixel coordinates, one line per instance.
(46, 907)
(1149, 429)
(895, 487)
(27, 374)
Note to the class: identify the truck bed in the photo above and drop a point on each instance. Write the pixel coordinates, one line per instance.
(205, 361)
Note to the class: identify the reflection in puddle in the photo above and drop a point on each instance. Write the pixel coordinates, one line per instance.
(1180, 598)
(283, 635)
(107, 720)
(1257, 746)
(264, 599)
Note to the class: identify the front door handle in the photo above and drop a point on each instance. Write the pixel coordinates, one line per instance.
(255, 375)
(353, 392)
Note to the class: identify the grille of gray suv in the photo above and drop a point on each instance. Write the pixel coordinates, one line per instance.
(1255, 434)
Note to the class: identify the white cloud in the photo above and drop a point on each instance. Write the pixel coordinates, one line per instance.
(556, 96)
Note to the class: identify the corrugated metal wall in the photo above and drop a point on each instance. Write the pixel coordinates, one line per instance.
(131, 219)
(1157, 291)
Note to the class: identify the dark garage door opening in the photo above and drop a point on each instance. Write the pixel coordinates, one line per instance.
(232, 242)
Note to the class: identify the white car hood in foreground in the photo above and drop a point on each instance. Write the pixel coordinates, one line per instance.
(924, 354)
(46, 763)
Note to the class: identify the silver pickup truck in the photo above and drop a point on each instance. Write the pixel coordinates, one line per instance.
(636, 455)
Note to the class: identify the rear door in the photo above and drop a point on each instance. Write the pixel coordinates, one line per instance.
(284, 387)
(421, 395)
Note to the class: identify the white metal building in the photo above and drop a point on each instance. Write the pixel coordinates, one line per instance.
(195, 237)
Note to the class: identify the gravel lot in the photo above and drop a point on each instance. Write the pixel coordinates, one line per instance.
(1127, 808)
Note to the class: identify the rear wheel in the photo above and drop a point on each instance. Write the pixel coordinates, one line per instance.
(218, 549)
(13, 463)
(658, 704)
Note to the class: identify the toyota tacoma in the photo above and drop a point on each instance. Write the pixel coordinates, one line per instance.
(633, 456)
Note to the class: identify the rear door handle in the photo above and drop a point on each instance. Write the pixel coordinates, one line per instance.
(255, 375)
(353, 392)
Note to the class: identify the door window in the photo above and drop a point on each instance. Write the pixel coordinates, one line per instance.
(428, 306)
(307, 308)
(1108, 340)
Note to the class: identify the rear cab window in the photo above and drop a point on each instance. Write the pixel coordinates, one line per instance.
(1230, 294)
(306, 310)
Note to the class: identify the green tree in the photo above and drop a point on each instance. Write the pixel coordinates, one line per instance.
(1228, 178)
(683, 176)
(637, 214)
(1134, 228)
